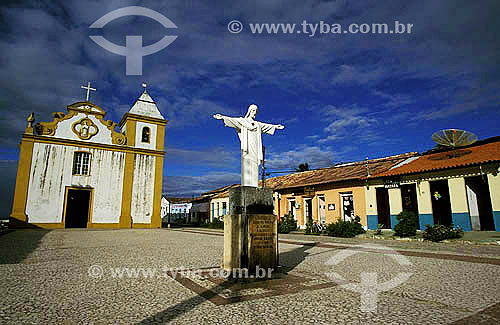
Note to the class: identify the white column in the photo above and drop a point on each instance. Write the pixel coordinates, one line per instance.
(459, 207)
(494, 184)
(371, 207)
(424, 199)
(395, 204)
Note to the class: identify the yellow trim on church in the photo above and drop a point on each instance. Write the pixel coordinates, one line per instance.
(121, 143)
(128, 180)
(94, 145)
(18, 216)
(156, 217)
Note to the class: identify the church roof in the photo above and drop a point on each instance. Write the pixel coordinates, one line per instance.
(146, 106)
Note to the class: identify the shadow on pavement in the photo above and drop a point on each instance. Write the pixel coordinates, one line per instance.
(16, 245)
(289, 260)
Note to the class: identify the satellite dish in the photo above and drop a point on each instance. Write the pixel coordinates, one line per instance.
(454, 138)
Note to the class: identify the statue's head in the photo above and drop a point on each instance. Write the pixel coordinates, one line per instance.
(252, 111)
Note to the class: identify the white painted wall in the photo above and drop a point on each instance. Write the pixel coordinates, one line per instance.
(180, 207)
(458, 195)
(143, 188)
(395, 201)
(65, 130)
(371, 200)
(51, 172)
(165, 207)
(424, 197)
(138, 136)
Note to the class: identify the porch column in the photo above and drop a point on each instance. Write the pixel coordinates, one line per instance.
(494, 184)
(371, 207)
(395, 205)
(424, 199)
(458, 198)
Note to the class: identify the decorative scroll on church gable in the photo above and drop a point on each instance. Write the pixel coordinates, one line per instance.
(84, 121)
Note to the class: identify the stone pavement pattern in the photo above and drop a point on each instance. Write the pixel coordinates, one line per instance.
(44, 278)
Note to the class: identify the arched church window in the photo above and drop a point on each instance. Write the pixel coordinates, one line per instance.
(145, 134)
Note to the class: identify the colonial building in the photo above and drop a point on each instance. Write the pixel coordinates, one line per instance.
(445, 186)
(80, 171)
(175, 208)
(165, 207)
(328, 194)
(219, 203)
(211, 204)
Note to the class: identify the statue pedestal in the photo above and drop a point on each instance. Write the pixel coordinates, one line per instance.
(250, 230)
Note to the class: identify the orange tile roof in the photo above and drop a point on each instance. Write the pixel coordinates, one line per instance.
(218, 190)
(213, 193)
(175, 200)
(482, 152)
(225, 193)
(350, 171)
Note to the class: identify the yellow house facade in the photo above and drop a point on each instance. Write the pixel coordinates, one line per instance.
(328, 194)
(322, 204)
(459, 187)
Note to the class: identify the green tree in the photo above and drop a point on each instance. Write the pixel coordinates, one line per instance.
(303, 167)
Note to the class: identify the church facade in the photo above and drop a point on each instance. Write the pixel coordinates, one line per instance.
(83, 171)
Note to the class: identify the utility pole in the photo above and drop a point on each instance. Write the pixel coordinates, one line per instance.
(263, 166)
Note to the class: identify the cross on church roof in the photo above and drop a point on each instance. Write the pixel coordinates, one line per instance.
(88, 90)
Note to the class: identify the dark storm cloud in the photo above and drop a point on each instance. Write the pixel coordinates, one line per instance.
(8, 170)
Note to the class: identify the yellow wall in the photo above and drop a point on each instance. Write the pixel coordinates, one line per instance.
(332, 195)
(424, 200)
(494, 183)
(458, 195)
(18, 215)
(395, 201)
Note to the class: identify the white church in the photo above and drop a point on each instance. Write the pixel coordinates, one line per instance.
(82, 171)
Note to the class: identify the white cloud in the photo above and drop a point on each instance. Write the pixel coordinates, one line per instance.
(8, 170)
(186, 186)
(315, 156)
(347, 74)
(396, 100)
(346, 122)
(184, 111)
(210, 157)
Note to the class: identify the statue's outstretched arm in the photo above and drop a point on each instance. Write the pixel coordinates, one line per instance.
(231, 122)
(219, 116)
(270, 128)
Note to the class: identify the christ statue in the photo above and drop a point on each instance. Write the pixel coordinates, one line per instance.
(249, 131)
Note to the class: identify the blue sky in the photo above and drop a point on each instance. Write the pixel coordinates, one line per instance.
(341, 97)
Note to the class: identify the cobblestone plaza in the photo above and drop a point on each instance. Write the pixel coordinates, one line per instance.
(70, 277)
